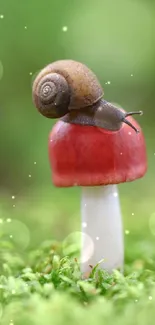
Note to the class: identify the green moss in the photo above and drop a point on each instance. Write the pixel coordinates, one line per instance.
(45, 287)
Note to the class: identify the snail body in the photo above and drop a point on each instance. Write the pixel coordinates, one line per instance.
(70, 90)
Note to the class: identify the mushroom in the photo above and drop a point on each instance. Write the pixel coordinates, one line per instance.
(94, 145)
(97, 160)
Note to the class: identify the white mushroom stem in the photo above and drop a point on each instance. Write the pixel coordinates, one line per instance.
(102, 235)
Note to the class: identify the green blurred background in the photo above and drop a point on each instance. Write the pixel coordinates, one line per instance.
(116, 40)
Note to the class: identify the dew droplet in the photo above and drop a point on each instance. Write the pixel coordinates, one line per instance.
(115, 194)
(34, 162)
(13, 205)
(129, 133)
(150, 297)
(64, 28)
(11, 236)
(30, 73)
(1, 220)
(13, 197)
(25, 27)
(132, 214)
(1, 16)
(121, 153)
(97, 238)
(131, 75)
(30, 175)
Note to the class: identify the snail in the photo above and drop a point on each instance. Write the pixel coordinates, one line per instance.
(69, 90)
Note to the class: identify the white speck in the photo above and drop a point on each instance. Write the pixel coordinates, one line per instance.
(1, 16)
(13, 205)
(129, 133)
(97, 238)
(121, 153)
(11, 236)
(131, 75)
(30, 73)
(84, 224)
(100, 109)
(8, 220)
(108, 83)
(136, 300)
(11, 322)
(64, 28)
(35, 162)
(115, 194)
(13, 197)
(51, 140)
(1, 220)
(25, 27)
(150, 297)
(132, 213)
(29, 175)
(127, 232)
(13, 292)
(85, 204)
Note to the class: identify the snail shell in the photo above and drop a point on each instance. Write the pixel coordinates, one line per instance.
(63, 86)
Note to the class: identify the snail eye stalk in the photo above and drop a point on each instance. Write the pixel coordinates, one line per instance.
(124, 120)
(133, 113)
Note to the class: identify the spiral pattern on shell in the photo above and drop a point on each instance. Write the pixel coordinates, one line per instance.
(51, 95)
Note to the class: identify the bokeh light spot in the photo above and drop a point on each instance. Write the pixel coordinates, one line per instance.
(127, 232)
(64, 28)
(18, 232)
(73, 243)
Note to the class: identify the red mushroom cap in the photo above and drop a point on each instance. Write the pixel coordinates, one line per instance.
(89, 156)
